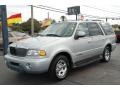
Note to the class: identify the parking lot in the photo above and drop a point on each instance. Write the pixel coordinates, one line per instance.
(94, 74)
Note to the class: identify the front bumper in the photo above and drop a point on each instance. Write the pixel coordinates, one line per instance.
(29, 65)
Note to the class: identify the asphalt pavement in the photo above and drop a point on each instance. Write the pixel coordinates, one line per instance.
(93, 74)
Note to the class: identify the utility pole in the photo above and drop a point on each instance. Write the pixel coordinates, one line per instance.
(106, 19)
(3, 16)
(48, 15)
(32, 21)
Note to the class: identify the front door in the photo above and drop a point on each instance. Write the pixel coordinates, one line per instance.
(83, 45)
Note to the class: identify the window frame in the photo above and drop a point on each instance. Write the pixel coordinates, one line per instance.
(106, 33)
(98, 27)
(79, 30)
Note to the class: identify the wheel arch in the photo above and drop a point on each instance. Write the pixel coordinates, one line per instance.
(63, 53)
(109, 45)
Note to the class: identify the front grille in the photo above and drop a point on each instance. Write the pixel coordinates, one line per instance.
(15, 64)
(18, 51)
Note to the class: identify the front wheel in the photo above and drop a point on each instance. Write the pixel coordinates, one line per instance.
(59, 68)
(106, 54)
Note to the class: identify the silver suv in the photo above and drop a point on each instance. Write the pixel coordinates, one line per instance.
(61, 47)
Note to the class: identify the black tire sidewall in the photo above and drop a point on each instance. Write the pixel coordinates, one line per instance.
(104, 59)
(52, 70)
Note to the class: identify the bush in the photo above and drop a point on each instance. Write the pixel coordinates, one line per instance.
(26, 26)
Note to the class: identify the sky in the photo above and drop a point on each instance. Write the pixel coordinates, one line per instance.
(21, 6)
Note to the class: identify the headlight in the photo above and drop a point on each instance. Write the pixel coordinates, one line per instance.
(36, 53)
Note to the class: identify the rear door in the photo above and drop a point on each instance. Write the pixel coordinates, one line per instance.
(98, 38)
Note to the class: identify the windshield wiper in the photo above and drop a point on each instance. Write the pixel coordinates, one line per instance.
(53, 35)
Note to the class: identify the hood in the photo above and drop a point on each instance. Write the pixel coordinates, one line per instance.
(35, 42)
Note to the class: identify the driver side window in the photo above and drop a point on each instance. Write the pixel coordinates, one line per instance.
(83, 27)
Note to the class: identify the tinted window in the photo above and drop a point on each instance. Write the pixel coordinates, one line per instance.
(83, 27)
(94, 29)
(107, 28)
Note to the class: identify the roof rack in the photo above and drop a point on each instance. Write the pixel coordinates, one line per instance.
(93, 20)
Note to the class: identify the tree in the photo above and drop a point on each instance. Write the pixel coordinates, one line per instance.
(63, 18)
(116, 27)
(119, 27)
(53, 21)
(26, 26)
(16, 27)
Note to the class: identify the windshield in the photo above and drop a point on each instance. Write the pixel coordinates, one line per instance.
(64, 29)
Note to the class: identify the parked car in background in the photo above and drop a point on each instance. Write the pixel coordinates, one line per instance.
(61, 47)
(13, 36)
(117, 36)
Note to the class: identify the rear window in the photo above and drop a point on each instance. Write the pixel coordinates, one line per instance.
(107, 28)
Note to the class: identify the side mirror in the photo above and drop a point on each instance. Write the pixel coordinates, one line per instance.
(80, 34)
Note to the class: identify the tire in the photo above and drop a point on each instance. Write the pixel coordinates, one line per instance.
(106, 54)
(59, 68)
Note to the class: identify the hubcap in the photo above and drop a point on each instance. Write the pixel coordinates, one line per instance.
(61, 69)
(107, 54)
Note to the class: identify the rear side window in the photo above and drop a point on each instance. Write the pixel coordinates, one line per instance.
(94, 29)
(107, 28)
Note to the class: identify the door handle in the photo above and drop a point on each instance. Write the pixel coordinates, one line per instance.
(89, 41)
(103, 39)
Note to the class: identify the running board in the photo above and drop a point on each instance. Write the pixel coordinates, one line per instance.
(87, 61)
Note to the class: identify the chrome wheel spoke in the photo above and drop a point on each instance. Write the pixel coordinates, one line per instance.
(107, 55)
(61, 69)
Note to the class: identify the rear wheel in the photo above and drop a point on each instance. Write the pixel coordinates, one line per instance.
(59, 68)
(107, 54)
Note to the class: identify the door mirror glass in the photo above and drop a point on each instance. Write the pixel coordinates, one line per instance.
(80, 34)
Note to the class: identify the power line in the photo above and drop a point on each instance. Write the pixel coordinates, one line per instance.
(50, 9)
(91, 16)
(100, 9)
(65, 12)
(85, 6)
(60, 11)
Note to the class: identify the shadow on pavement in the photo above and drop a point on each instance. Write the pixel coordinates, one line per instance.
(34, 79)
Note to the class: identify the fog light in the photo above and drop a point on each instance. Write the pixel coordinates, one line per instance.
(28, 66)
